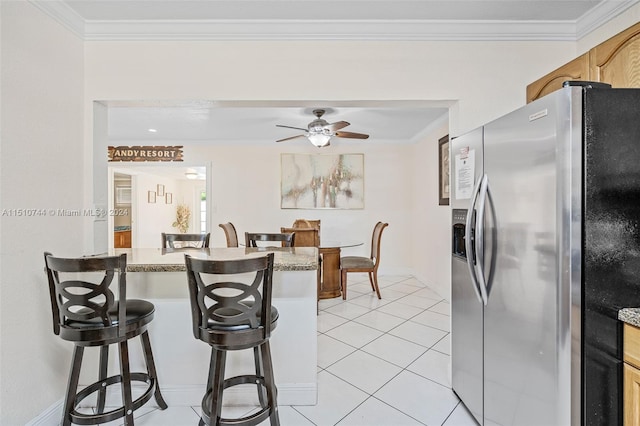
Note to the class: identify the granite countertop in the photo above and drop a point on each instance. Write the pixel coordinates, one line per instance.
(172, 260)
(630, 316)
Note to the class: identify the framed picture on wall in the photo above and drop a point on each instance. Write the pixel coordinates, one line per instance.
(443, 171)
(151, 197)
(322, 181)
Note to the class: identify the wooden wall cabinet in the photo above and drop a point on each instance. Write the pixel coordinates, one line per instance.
(615, 62)
(122, 239)
(578, 69)
(631, 386)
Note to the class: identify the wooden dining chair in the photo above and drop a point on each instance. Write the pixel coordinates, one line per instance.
(185, 240)
(307, 223)
(230, 233)
(252, 238)
(364, 264)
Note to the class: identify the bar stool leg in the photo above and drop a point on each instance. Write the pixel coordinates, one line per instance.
(272, 391)
(209, 390)
(72, 387)
(102, 393)
(257, 359)
(151, 368)
(212, 368)
(218, 360)
(126, 383)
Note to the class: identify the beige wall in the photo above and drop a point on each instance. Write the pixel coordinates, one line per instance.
(41, 168)
(154, 218)
(430, 223)
(482, 80)
(487, 78)
(246, 191)
(48, 124)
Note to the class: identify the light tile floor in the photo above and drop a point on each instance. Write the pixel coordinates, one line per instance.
(380, 363)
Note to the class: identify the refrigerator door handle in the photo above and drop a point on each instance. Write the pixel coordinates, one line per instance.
(479, 242)
(468, 243)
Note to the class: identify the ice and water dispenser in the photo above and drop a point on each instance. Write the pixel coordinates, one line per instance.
(458, 233)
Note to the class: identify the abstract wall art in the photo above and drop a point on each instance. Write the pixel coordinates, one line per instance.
(318, 181)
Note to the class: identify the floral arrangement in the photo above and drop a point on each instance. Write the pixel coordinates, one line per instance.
(183, 214)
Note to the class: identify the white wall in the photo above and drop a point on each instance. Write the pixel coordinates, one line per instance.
(431, 223)
(41, 168)
(484, 80)
(155, 218)
(246, 191)
(43, 108)
(488, 78)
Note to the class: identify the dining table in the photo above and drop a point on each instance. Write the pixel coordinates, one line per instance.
(330, 252)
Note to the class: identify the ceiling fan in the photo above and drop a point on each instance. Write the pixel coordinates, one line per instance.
(319, 131)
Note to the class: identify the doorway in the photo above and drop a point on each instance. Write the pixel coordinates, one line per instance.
(143, 202)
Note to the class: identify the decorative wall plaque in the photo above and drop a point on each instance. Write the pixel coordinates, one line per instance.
(145, 153)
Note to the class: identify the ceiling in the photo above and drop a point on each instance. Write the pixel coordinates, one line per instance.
(204, 121)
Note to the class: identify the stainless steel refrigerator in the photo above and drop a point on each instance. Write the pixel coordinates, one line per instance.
(545, 251)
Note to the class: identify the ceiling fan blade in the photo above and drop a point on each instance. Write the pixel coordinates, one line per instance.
(291, 127)
(337, 125)
(352, 135)
(290, 138)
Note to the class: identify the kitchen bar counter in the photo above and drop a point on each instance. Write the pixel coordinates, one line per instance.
(630, 316)
(172, 260)
(182, 361)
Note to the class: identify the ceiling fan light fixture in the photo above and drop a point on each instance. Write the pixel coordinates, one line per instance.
(319, 139)
(319, 132)
(191, 175)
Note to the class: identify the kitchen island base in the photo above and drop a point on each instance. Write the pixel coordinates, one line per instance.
(182, 362)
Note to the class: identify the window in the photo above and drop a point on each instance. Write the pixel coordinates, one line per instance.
(203, 211)
(123, 195)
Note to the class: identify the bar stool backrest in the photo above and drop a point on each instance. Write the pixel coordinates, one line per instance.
(185, 240)
(230, 295)
(252, 239)
(77, 303)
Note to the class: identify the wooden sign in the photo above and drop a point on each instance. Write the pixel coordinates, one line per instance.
(145, 153)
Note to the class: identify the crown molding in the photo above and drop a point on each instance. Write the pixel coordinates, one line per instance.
(374, 30)
(602, 13)
(392, 30)
(61, 12)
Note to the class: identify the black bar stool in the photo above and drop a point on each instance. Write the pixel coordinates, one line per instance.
(88, 314)
(185, 240)
(252, 238)
(229, 314)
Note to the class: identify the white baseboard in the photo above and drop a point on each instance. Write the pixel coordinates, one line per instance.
(50, 416)
(191, 396)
